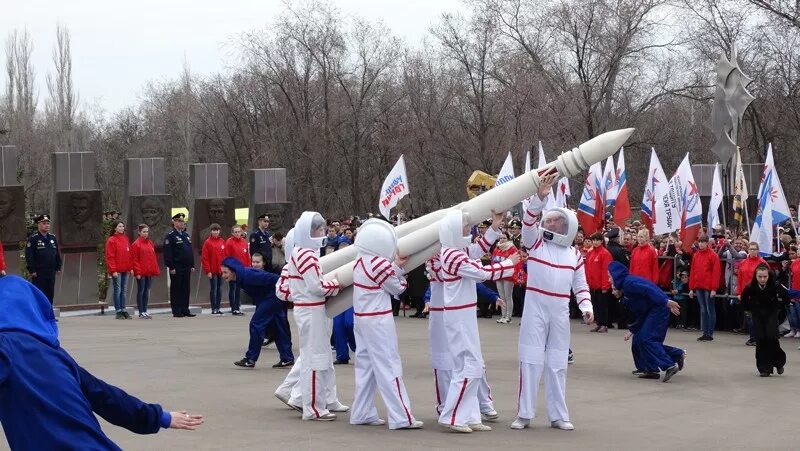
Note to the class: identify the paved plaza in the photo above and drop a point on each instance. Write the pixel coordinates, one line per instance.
(717, 402)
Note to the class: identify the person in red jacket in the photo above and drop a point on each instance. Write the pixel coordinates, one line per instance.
(118, 265)
(597, 260)
(644, 260)
(211, 259)
(503, 249)
(703, 282)
(744, 275)
(236, 247)
(145, 267)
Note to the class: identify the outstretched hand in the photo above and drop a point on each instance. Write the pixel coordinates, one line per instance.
(500, 303)
(497, 219)
(183, 420)
(588, 317)
(628, 335)
(400, 261)
(674, 307)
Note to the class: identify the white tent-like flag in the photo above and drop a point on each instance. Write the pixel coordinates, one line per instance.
(562, 192)
(609, 183)
(551, 199)
(506, 172)
(394, 188)
(716, 200)
(666, 208)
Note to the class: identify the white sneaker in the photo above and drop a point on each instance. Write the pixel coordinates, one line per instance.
(563, 425)
(415, 425)
(464, 429)
(480, 427)
(378, 422)
(491, 415)
(327, 417)
(501, 321)
(520, 423)
(338, 407)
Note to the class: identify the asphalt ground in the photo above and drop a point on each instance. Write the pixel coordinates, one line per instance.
(717, 402)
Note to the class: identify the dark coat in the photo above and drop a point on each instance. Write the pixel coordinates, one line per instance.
(767, 306)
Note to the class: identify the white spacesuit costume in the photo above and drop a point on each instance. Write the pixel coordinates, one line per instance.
(554, 267)
(308, 292)
(377, 362)
(461, 412)
(441, 358)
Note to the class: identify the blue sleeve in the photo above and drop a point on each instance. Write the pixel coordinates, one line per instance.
(646, 291)
(253, 247)
(168, 262)
(255, 277)
(30, 257)
(427, 295)
(120, 408)
(485, 292)
(5, 364)
(58, 255)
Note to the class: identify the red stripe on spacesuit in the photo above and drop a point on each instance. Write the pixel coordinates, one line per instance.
(537, 243)
(381, 267)
(552, 265)
(385, 312)
(303, 261)
(460, 307)
(366, 272)
(436, 382)
(484, 244)
(314, 393)
(408, 414)
(455, 409)
(548, 293)
(294, 277)
(366, 287)
(582, 291)
(309, 304)
(435, 309)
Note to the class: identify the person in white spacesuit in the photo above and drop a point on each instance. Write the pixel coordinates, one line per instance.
(378, 275)
(461, 412)
(308, 291)
(554, 267)
(441, 358)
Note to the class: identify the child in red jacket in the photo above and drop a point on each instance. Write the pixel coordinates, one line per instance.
(236, 247)
(597, 260)
(211, 258)
(505, 287)
(118, 265)
(145, 267)
(644, 259)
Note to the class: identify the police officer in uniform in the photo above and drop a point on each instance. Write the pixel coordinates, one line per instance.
(259, 242)
(42, 257)
(179, 259)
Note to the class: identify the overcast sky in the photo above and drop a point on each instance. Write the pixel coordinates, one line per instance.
(119, 45)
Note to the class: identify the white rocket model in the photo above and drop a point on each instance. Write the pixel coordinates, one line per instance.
(419, 239)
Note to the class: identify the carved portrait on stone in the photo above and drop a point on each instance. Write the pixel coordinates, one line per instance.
(280, 216)
(12, 214)
(210, 211)
(79, 218)
(153, 210)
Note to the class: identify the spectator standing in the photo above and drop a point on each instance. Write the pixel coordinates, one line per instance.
(764, 298)
(211, 260)
(261, 242)
(703, 283)
(597, 260)
(145, 267)
(43, 258)
(236, 247)
(179, 260)
(503, 249)
(118, 265)
(747, 269)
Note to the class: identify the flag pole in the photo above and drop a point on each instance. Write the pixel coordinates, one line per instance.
(725, 187)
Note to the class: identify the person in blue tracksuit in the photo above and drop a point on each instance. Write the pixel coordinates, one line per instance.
(47, 400)
(260, 286)
(651, 307)
(344, 338)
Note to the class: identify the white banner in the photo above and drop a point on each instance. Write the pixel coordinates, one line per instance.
(394, 188)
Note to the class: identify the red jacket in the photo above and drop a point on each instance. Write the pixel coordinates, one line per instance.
(237, 247)
(118, 254)
(143, 255)
(597, 261)
(2, 259)
(214, 251)
(704, 270)
(644, 262)
(747, 268)
(498, 255)
(796, 274)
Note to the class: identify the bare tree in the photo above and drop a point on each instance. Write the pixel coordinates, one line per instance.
(63, 101)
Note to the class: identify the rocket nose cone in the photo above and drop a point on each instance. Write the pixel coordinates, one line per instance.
(600, 147)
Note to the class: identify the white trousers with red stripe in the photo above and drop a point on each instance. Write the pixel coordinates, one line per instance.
(378, 367)
(317, 376)
(442, 380)
(544, 348)
(461, 406)
(291, 387)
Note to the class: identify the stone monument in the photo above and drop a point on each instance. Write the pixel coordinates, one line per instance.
(12, 207)
(76, 213)
(268, 196)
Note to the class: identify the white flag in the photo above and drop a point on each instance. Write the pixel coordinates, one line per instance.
(528, 161)
(506, 172)
(667, 214)
(394, 188)
(562, 192)
(609, 183)
(762, 228)
(716, 200)
(551, 198)
(542, 159)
